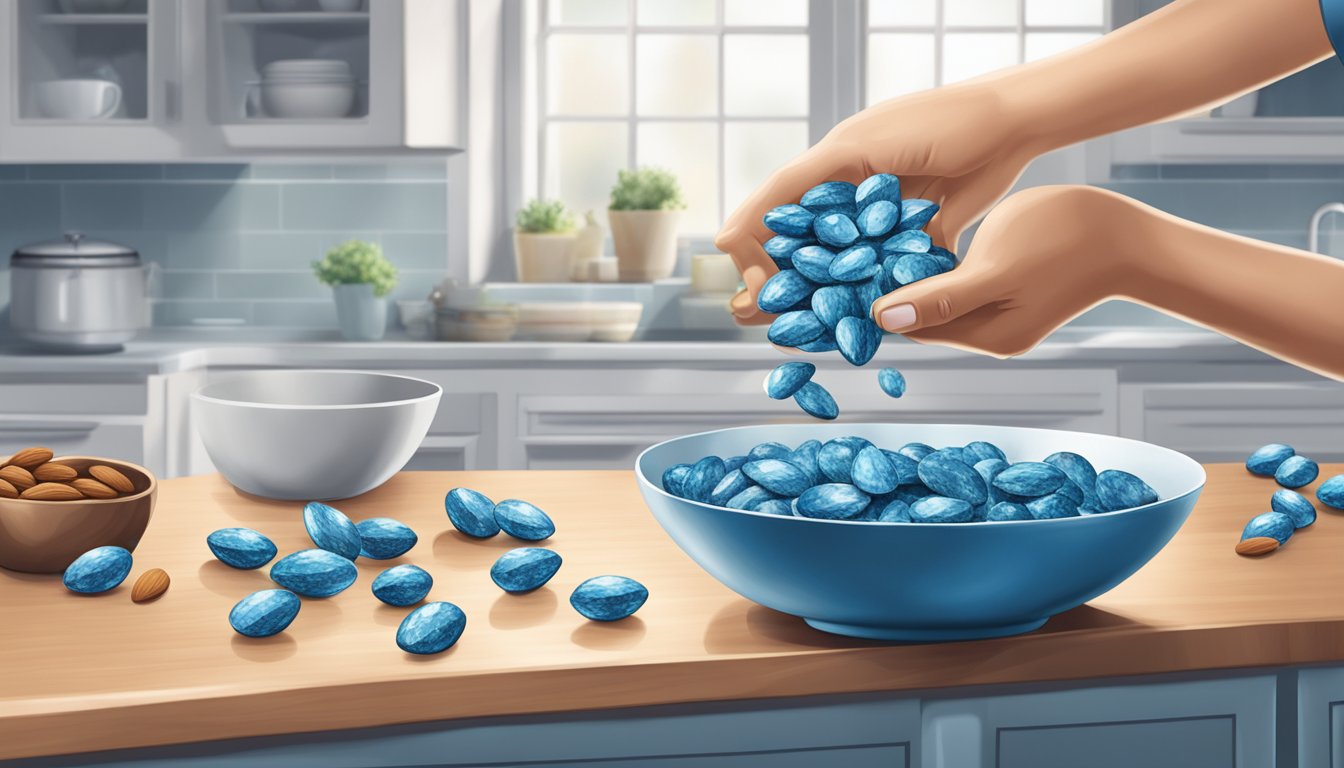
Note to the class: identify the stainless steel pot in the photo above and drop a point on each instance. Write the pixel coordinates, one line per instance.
(77, 294)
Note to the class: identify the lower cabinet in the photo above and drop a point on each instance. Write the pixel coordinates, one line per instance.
(1320, 717)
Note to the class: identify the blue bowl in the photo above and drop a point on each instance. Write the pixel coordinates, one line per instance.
(924, 582)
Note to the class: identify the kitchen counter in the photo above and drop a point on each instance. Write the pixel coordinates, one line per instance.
(92, 673)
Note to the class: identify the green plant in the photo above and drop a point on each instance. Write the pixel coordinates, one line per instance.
(544, 217)
(646, 189)
(356, 262)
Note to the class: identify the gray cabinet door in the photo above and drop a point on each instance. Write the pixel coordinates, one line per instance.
(1320, 717)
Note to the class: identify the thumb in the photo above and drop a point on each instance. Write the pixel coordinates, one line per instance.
(934, 301)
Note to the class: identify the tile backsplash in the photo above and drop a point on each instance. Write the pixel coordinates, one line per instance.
(237, 241)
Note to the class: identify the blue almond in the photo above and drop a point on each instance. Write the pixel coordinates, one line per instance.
(431, 628)
(402, 585)
(473, 513)
(750, 498)
(786, 379)
(824, 344)
(732, 484)
(673, 482)
(264, 613)
(783, 290)
(916, 213)
(805, 457)
(792, 220)
(778, 507)
(913, 267)
(916, 451)
(382, 538)
(704, 477)
(947, 476)
(314, 573)
(854, 264)
(1080, 471)
(525, 520)
(940, 509)
(979, 450)
(1008, 510)
(814, 263)
(832, 501)
(911, 241)
(1331, 492)
(1294, 505)
(1117, 490)
(858, 339)
(830, 303)
(1296, 471)
(907, 469)
(524, 569)
(331, 530)
(780, 249)
(793, 328)
(778, 477)
(1030, 478)
(1052, 506)
(878, 187)
(836, 230)
(891, 381)
(816, 401)
(768, 450)
(895, 512)
(829, 195)
(1274, 525)
(98, 570)
(608, 598)
(734, 462)
(835, 458)
(241, 548)
(878, 219)
(1266, 459)
(873, 473)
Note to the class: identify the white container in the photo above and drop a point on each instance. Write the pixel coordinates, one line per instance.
(646, 243)
(543, 257)
(361, 315)
(312, 435)
(314, 99)
(714, 273)
(77, 99)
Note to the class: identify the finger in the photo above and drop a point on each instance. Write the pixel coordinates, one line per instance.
(745, 312)
(968, 205)
(935, 300)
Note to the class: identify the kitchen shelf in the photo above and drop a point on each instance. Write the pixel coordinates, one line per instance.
(1221, 140)
(93, 18)
(298, 17)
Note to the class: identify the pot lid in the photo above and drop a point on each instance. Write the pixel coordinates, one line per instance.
(74, 249)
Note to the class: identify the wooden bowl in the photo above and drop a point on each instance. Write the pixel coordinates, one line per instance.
(46, 536)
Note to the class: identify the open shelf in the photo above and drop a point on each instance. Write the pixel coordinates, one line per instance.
(57, 49)
(94, 18)
(298, 17)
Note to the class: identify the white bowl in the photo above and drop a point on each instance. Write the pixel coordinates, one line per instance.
(325, 66)
(307, 100)
(313, 435)
(77, 99)
(579, 320)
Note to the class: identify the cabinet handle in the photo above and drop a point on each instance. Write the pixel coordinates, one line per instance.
(62, 428)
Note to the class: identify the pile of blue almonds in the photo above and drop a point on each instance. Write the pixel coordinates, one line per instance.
(850, 478)
(1289, 511)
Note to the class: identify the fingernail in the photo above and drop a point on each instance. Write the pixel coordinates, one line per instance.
(897, 318)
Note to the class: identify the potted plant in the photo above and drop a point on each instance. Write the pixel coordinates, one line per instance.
(543, 242)
(645, 209)
(360, 277)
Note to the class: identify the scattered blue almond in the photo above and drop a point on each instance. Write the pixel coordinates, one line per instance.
(98, 570)
(608, 598)
(786, 379)
(241, 547)
(1296, 471)
(382, 538)
(471, 512)
(525, 520)
(331, 530)
(1331, 492)
(314, 573)
(891, 381)
(264, 613)
(402, 585)
(431, 628)
(524, 569)
(1266, 459)
(1273, 525)
(1294, 505)
(816, 401)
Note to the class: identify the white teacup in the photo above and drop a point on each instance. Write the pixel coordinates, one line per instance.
(78, 99)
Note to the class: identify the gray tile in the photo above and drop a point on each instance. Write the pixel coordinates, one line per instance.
(298, 314)
(30, 206)
(290, 171)
(183, 312)
(1130, 172)
(270, 285)
(13, 172)
(1267, 205)
(198, 206)
(418, 170)
(205, 171)
(415, 284)
(291, 250)
(1123, 313)
(376, 206)
(97, 207)
(150, 245)
(202, 251)
(186, 285)
(416, 250)
(96, 172)
(1280, 171)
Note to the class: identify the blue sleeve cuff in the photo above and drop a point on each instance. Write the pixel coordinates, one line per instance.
(1332, 13)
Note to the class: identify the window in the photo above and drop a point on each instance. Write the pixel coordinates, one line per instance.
(917, 44)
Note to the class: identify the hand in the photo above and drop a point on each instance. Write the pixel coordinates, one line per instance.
(959, 146)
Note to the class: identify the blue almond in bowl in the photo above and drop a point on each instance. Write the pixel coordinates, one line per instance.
(942, 578)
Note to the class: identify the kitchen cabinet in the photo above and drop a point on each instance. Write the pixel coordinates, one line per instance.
(1320, 717)
(76, 416)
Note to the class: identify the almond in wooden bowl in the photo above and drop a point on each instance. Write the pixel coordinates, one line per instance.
(38, 536)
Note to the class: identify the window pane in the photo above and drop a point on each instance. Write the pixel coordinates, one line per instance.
(970, 54)
(898, 64)
(678, 13)
(1065, 13)
(676, 74)
(980, 13)
(589, 12)
(765, 13)
(900, 13)
(587, 75)
(1042, 44)
(753, 151)
(581, 162)
(691, 151)
(765, 74)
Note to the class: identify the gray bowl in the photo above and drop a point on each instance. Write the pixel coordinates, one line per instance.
(313, 435)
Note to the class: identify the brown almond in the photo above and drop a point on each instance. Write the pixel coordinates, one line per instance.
(7, 490)
(92, 488)
(112, 478)
(1256, 546)
(51, 472)
(29, 458)
(18, 477)
(150, 585)
(51, 492)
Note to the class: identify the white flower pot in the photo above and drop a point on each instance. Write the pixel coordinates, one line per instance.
(646, 244)
(361, 315)
(543, 258)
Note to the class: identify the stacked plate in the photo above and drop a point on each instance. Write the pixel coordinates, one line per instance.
(307, 88)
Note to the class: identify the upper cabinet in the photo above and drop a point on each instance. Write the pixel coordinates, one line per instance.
(159, 80)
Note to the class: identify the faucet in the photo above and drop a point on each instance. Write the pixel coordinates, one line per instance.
(1314, 227)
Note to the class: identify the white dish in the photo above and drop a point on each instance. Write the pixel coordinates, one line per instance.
(77, 99)
(579, 320)
(307, 101)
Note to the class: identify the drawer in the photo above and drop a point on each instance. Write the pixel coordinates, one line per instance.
(118, 440)
(74, 397)
(1320, 717)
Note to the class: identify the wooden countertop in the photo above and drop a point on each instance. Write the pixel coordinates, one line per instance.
(90, 673)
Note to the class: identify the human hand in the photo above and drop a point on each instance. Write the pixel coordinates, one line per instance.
(960, 146)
